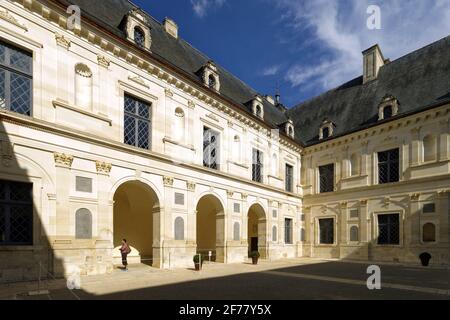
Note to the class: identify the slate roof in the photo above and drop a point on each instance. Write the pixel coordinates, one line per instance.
(418, 80)
(109, 14)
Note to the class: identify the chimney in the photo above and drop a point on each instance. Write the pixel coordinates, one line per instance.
(171, 27)
(373, 60)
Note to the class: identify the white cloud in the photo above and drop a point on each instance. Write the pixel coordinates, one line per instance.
(201, 7)
(271, 71)
(341, 34)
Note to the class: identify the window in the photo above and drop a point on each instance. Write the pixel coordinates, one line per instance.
(289, 178)
(388, 112)
(326, 179)
(274, 234)
(288, 231)
(388, 229)
(16, 79)
(210, 148)
(429, 232)
(179, 228)
(16, 213)
(388, 166)
(355, 164)
(354, 214)
(257, 166)
(236, 231)
(326, 231)
(429, 208)
(211, 82)
(137, 124)
(139, 37)
(259, 111)
(429, 148)
(325, 133)
(83, 86)
(83, 224)
(354, 234)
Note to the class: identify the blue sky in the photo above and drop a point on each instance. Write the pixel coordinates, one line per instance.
(306, 47)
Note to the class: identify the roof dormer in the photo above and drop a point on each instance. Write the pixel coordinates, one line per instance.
(326, 129)
(137, 29)
(388, 107)
(289, 129)
(373, 60)
(257, 106)
(210, 76)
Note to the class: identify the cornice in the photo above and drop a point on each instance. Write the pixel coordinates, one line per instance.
(148, 65)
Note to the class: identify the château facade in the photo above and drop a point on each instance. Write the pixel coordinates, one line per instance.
(116, 128)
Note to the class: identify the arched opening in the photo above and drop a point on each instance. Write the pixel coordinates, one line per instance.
(388, 112)
(139, 37)
(211, 82)
(211, 228)
(135, 205)
(325, 133)
(355, 165)
(178, 130)
(83, 86)
(274, 165)
(257, 230)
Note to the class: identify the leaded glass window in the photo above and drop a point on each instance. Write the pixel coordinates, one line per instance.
(139, 37)
(326, 182)
(211, 145)
(289, 178)
(388, 229)
(326, 231)
(388, 166)
(16, 78)
(16, 213)
(288, 231)
(137, 123)
(257, 166)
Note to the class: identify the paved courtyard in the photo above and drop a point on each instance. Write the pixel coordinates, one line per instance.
(289, 279)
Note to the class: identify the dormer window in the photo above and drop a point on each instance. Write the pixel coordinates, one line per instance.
(326, 130)
(289, 129)
(137, 29)
(388, 108)
(139, 37)
(210, 76)
(257, 106)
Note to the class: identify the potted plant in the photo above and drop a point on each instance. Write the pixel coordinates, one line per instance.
(255, 256)
(198, 261)
(425, 259)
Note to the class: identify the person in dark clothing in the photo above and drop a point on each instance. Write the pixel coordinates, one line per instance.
(125, 251)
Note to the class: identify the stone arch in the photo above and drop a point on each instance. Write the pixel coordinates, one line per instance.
(136, 218)
(210, 226)
(257, 229)
(147, 182)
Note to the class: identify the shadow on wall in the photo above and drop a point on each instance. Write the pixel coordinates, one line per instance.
(26, 196)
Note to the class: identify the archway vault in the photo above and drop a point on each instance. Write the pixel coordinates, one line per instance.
(257, 230)
(210, 227)
(136, 209)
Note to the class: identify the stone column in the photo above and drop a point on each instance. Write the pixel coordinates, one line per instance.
(412, 221)
(364, 158)
(343, 221)
(221, 237)
(102, 99)
(63, 165)
(162, 223)
(244, 233)
(443, 140)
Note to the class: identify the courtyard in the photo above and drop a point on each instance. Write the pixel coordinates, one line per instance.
(296, 279)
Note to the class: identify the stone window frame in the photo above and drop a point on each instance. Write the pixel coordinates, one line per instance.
(330, 126)
(335, 229)
(136, 18)
(387, 101)
(350, 227)
(289, 129)
(210, 70)
(375, 229)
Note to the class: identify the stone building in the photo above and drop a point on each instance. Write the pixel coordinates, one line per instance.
(114, 127)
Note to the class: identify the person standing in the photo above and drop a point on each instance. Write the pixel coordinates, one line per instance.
(125, 251)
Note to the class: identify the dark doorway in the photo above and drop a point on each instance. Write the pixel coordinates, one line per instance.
(253, 244)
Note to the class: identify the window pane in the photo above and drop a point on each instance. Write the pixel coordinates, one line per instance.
(144, 110)
(139, 37)
(2, 53)
(288, 231)
(388, 229)
(143, 135)
(20, 60)
(20, 94)
(2, 89)
(326, 178)
(130, 131)
(388, 166)
(130, 105)
(326, 230)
